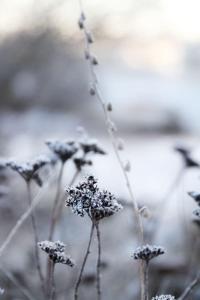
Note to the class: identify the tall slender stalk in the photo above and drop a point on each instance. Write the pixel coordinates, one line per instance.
(190, 287)
(52, 285)
(98, 262)
(36, 240)
(112, 133)
(76, 290)
(56, 202)
(146, 278)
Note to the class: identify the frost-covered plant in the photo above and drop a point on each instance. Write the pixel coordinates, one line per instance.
(146, 254)
(57, 255)
(63, 149)
(164, 297)
(87, 199)
(30, 170)
(189, 162)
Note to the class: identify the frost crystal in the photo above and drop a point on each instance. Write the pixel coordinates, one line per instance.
(64, 150)
(56, 252)
(148, 252)
(164, 297)
(29, 170)
(87, 198)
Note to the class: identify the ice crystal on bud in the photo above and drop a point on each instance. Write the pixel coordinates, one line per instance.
(56, 252)
(148, 252)
(94, 60)
(127, 166)
(64, 150)
(120, 144)
(164, 297)
(87, 198)
(92, 91)
(195, 196)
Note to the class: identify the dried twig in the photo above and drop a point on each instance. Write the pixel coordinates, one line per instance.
(190, 287)
(36, 240)
(83, 264)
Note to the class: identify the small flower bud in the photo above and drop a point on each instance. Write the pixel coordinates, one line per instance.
(109, 107)
(127, 166)
(120, 144)
(94, 60)
(87, 54)
(89, 38)
(92, 91)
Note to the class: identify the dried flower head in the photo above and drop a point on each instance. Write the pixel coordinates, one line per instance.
(29, 170)
(148, 252)
(196, 212)
(56, 252)
(164, 297)
(87, 198)
(81, 162)
(91, 146)
(186, 155)
(64, 150)
(195, 196)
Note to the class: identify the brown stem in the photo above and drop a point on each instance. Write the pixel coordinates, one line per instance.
(36, 240)
(98, 262)
(190, 287)
(83, 264)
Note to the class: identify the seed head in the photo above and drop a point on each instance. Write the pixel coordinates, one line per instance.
(91, 146)
(29, 170)
(148, 252)
(56, 252)
(164, 297)
(87, 198)
(195, 196)
(64, 150)
(186, 155)
(80, 162)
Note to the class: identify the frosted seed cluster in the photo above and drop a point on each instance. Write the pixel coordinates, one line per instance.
(87, 198)
(148, 252)
(56, 252)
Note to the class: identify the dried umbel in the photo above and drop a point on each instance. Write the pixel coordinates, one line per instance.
(81, 162)
(91, 146)
(30, 170)
(195, 196)
(164, 297)
(56, 252)
(64, 150)
(148, 252)
(186, 155)
(87, 198)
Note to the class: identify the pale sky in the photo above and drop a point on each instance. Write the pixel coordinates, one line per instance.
(143, 17)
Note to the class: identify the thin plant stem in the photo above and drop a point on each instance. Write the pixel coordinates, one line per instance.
(111, 131)
(21, 288)
(52, 285)
(190, 287)
(36, 200)
(36, 240)
(146, 279)
(76, 290)
(56, 203)
(98, 262)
